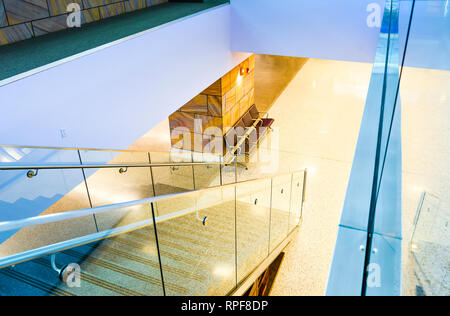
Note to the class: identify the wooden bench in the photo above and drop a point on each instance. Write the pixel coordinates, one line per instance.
(245, 135)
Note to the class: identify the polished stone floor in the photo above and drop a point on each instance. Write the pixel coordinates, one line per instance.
(318, 117)
(426, 152)
(157, 139)
(272, 75)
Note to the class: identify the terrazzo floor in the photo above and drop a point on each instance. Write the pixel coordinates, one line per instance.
(426, 152)
(322, 107)
(318, 117)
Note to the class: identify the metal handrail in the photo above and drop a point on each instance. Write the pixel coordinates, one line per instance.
(56, 217)
(232, 153)
(83, 240)
(74, 148)
(76, 242)
(98, 149)
(103, 166)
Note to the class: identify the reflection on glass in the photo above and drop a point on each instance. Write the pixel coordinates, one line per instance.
(173, 179)
(22, 196)
(206, 176)
(197, 243)
(209, 240)
(116, 185)
(430, 246)
(126, 265)
(296, 200)
(37, 236)
(228, 173)
(252, 224)
(279, 215)
(48, 191)
(425, 108)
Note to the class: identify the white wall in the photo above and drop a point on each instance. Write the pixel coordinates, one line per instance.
(327, 29)
(112, 97)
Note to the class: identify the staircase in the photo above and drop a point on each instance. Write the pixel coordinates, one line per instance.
(245, 223)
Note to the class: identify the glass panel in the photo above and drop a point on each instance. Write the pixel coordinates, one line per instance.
(266, 162)
(116, 185)
(425, 109)
(279, 215)
(123, 216)
(228, 173)
(180, 204)
(383, 271)
(206, 157)
(29, 238)
(373, 198)
(296, 200)
(262, 162)
(174, 179)
(197, 242)
(430, 246)
(50, 191)
(206, 176)
(126, 265)
(110, 186)
(247, 170)
(252, 224)
(348, 261)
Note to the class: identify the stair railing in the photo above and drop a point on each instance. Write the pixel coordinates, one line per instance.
(240, 190)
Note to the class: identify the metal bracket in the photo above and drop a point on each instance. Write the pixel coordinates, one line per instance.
(32, 174)
(64, 272)
(204, 220)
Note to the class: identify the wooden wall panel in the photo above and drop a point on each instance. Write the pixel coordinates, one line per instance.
(221, 105)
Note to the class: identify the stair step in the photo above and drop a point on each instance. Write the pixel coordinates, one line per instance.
(196, 259)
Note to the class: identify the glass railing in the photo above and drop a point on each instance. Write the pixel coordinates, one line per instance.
(367, 254)
(102, 177)
(38, 189)
(401, 152)
(425, 103)
(430, 248)
(203, 242)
